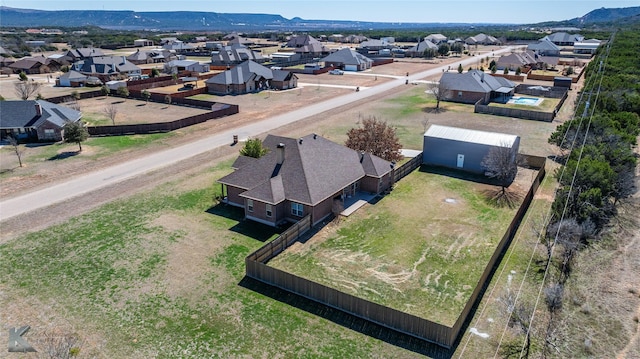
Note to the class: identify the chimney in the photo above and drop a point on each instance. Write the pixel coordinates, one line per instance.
(38, 110)
(280, 153)
(315, 136)
(300, 140)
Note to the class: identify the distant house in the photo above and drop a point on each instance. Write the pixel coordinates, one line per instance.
(177, 66)
(525, 59)
(463, 149)
(83, 53)
(178, 46)
(586, 46)
(235, 54)
(473, 86)
(482, 39)
(75, 79)
(283, 57)
(35, 120)
(419, 49)
(151, 57)
(142, 42)
(298, 177)
(545, 48)
(436, 38)
(30, 65)
(306, 46)
(375, 45)
(348, 60)
(563, 38)
(250, 77)
(104, 66)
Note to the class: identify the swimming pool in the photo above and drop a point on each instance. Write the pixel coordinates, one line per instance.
(529, 101)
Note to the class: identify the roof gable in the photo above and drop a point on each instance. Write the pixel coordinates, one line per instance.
(314, 168)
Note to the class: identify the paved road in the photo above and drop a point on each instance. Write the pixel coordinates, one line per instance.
(95, 180)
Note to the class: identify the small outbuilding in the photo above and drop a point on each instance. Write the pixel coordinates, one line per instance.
(560, 81)
(463, 149)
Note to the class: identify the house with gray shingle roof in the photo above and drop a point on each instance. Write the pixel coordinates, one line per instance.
(563, 38)
(418, 50)
(250, 77)
(474, 86)
(83, 53)
(544, 47)
(105, 66)
(306, 46)
(234, 54)
(525, 59)
(482, 39)
(436, 38)
(348, 60)
(302, 176)
(35, 120)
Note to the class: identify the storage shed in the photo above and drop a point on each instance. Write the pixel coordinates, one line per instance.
(463, 149)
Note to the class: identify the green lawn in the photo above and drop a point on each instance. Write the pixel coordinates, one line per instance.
(420, 249)
(157, 275)
(547, 105)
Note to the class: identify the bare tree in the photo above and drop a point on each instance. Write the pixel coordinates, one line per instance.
(26, 89)
(568, 233)
(375, 137)
(111, 111)
(500, 164)
(439, 91)
(72, 103)
(553, 296)
(16, 148)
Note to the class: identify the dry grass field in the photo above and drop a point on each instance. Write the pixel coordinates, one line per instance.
(420, 249)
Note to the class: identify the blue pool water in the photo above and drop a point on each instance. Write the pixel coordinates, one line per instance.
(531, 101)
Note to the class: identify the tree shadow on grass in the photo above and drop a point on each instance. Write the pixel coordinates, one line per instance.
(63, 155)
(258, 231)
(117, 102)
(433, 110)
(350, 321)
(502, 198)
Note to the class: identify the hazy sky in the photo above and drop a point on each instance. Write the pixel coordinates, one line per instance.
(512, 11)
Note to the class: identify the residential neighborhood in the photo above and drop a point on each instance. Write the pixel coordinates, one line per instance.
(182, 183)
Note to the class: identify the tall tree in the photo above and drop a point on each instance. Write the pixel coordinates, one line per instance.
(75, 132)
(443, 50)
(26, 89)
(375, 137)
(254, 148)
(429, 53)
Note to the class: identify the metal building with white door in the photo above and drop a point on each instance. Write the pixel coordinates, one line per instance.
(463, 149)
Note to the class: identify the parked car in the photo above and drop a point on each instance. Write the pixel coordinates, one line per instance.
(336, 72)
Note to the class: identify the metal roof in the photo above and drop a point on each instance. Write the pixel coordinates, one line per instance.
(472, 136)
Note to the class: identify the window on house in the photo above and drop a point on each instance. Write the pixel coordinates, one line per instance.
(268, 210)
(250, 205)
(49, 134)
(297, 209)
(459, 93)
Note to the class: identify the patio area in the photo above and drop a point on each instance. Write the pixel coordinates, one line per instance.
(353, 203)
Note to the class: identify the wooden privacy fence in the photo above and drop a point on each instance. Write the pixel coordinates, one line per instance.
(284, 240)
(519, 113)
(220, 110)
(408, 167)
(257, 268)
(535, 162)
